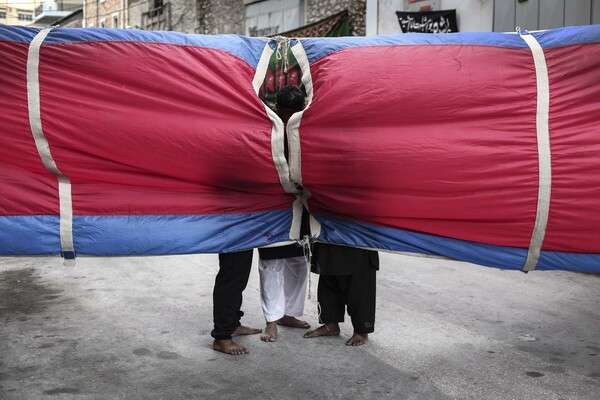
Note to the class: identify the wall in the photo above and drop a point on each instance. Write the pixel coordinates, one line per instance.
(472, 15)
(72, 21)
(134, 12)
(184, 16)
(96, 11)
(221, 16)
(320, 9)
(545, 14)
(12, 9)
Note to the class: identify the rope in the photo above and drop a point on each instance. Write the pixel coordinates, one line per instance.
(306, 247)
(283, 44)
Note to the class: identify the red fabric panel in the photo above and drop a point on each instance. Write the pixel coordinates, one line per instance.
(148, 128)
(574, 220)
(438, 139)
(27, 187)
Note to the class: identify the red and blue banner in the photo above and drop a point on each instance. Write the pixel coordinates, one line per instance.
(479, 147)
(430, 144)
(166, 144)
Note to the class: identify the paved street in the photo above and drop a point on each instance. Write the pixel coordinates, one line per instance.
(138, 328)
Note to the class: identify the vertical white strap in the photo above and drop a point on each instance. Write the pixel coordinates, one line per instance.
(543, 142)
(293, 134)
(277, 131)
(43, 148)
(293, 124)
(261, 68)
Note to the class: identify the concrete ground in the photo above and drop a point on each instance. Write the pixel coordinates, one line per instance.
(138, 328)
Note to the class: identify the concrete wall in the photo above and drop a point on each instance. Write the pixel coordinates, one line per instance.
(546, 14)
(221, 16)
(193, 16)
(184, 15)
(472, 15)
(320, 9)
(213, 16)
(72, 21)
(96, 12)
(134, 13)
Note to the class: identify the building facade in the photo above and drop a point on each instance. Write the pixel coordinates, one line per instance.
(544, 14)
(246, 17)
(488, 15)
(269, 17)
(73, 20)
(14, 12)
(48, 12)
(104, 14)
(366, 17)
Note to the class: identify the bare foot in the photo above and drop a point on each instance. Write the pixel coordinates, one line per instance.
(329, 329)
(358, 339)
(244, 330)
(294, 322)
(270, 332)
(228, 346)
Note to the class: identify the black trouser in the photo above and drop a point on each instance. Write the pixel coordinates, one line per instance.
(234, 271)
(356, 292)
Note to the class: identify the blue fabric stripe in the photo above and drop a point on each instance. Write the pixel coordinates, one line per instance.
(17, 33)
(571, 35)
(145, 235)
(350, 233)
(320, 47)
(247, 48)
(31, 235)
(250, 49)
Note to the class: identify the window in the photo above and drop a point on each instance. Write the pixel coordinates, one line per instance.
(115, 20)
(25, 17)
(2, 14)
(102, 23)
(157, 8)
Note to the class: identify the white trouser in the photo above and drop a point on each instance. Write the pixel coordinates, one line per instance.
(282, 287)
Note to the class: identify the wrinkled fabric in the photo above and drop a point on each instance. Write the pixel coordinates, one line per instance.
(166, 145)
(427, 144)
(413, 143)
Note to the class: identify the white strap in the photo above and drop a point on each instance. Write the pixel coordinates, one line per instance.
(293, 124)
(295, 154)
(261, 68)
(43, 148)
(277, 131)
(543, 141)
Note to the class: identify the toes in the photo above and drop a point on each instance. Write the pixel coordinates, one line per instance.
(355, 342)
